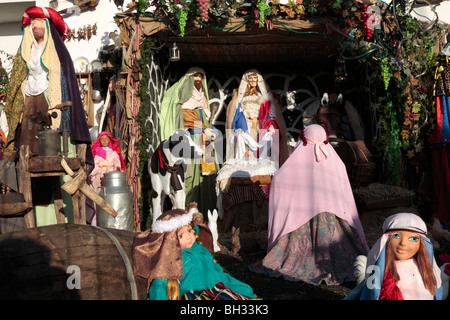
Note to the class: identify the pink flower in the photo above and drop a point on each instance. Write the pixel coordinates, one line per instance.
(421, 89)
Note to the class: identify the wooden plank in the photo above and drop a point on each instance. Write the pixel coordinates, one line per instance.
(82, 208)
(11, 209)
(25, 183)
(52, 164)
(76, 208)
(81, 197)
(58, 201)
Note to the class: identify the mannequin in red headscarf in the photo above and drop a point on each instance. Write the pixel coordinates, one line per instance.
(43, 77)
(107, 157)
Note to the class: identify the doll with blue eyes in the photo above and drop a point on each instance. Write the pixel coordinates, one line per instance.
(176, 256)
(401, 265)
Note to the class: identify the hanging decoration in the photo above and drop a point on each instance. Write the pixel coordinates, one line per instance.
(182, 21)
(263, 10)
(82, 33)
(367, 16)
(204, 9)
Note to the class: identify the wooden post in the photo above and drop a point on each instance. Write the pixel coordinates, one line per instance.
(81, 153)
(57, 200)
(25, 183)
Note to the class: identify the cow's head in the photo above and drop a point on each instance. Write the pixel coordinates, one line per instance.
(182, 146)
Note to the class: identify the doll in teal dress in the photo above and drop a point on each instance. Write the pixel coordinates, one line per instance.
(176, 257)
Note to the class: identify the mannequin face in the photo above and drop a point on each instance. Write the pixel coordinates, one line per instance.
(405, 244)
(253, 80)
(186, 237)
(198, 77)
(38, 26)
(104, 140)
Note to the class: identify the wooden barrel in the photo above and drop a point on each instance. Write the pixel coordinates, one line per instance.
(68, 261)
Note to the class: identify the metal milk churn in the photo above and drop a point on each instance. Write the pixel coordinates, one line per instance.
(49, 143)
(116, 193)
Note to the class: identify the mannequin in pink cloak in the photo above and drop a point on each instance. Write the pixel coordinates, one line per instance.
(314, 231)
(107, 157)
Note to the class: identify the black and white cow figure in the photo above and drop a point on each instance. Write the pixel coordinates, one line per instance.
(167, 167)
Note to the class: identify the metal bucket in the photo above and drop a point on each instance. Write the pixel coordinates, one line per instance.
(116, 193)
(49, 143)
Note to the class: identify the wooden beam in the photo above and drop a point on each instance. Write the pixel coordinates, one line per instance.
(25, 183)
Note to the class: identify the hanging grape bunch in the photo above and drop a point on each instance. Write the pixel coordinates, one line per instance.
(204, 9)
(263, 7)
(366, 16)
(385, 72)
(182, 21)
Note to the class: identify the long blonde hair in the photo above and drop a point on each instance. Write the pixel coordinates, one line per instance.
(252, 91)
(173, 289)
(173, 286)
(423, 263)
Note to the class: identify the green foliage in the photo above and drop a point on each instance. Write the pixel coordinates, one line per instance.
(147, 50)
(5, 75)
(405, 74)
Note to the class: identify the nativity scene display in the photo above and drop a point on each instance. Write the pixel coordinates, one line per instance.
(177, 170)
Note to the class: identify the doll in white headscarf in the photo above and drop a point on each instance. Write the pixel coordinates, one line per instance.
(401, 265)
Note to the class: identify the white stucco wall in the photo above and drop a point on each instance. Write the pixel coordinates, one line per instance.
(103, 14)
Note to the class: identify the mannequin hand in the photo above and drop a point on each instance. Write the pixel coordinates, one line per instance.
(210, 135)
(248, 155)
(207, 113)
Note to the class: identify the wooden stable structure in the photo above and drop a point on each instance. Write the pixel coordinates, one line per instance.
(19, 205)
(35, 167)
(240, 41)
(38, 167)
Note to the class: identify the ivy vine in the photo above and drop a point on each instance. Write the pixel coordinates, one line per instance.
(147, 51)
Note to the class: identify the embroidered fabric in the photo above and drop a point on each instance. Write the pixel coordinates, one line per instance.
(250, 106)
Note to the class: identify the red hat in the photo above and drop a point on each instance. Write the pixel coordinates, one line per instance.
(49, 13)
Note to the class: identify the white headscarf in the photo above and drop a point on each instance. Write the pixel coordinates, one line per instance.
(244, 82)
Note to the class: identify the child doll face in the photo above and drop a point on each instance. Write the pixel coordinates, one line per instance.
(405, 244)
(104, 140)
(186, 237)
